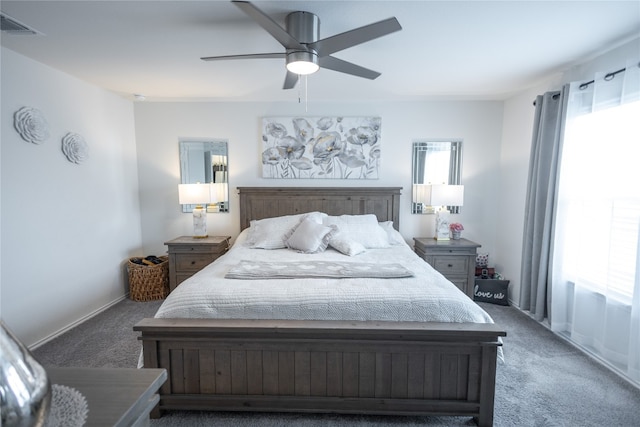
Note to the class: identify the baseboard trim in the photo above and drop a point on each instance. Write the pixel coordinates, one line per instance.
(76, 323)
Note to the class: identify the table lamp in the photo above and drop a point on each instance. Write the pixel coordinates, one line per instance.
(440, 196)
(199, 195)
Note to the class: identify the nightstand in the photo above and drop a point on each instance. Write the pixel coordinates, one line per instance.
(188, 255)
(455, 259)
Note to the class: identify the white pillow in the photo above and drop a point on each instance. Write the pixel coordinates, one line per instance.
(363, 229)
(309, 237)
(269, 233)
(342, 243)
(395, 238)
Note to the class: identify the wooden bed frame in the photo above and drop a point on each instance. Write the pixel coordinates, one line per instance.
(399, 368)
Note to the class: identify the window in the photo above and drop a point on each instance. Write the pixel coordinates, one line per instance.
(599, 199)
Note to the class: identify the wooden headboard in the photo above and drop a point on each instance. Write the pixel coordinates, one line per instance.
(268, 202)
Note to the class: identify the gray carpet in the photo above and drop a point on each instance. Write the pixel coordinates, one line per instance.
(544, 382)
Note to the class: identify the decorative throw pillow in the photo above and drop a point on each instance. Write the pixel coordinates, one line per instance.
(493, 291)
(363, 229)
(342, 243)
(394, 237)
(309, 237)
(269, 233)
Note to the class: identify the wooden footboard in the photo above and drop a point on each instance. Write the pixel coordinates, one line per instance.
(406, 368)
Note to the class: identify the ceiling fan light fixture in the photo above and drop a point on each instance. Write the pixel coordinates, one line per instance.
(302, 63)
(305, 50)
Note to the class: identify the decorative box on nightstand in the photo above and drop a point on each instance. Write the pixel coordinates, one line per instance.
(455, 259)
(188, 255)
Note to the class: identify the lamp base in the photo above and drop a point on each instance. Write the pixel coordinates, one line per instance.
(199, 222)
(442, 225)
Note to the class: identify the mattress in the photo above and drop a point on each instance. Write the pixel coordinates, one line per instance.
(427, 296)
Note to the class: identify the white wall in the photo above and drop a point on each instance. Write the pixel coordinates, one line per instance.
(515, 153)
(160, 125)
(66, 228)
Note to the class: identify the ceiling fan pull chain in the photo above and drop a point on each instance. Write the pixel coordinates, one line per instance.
(299, 92)
(306, 94)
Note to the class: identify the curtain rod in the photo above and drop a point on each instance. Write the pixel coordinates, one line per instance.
(608, 77)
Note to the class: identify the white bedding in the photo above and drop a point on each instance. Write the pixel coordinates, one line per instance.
(426, 297)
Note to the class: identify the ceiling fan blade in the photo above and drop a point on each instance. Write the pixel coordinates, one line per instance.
(269, 25)
(341, 66)
(290, 80)
(247, 56)
(354, 37)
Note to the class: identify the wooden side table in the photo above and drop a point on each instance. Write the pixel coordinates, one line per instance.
(455, 259)
(188, 255)
(115, 397)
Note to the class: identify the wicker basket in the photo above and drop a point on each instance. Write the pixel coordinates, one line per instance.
(148, 282)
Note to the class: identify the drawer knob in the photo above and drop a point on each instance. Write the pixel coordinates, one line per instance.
(193, 262)
(450, 265)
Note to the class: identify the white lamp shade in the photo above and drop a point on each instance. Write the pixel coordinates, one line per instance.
(422, 193)
(443, 195)
(194, 194)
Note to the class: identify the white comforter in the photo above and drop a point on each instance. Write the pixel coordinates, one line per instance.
(427, 296)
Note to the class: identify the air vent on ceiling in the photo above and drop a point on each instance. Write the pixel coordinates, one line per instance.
(9, 25)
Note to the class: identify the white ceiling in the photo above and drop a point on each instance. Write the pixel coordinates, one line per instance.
(446, 49)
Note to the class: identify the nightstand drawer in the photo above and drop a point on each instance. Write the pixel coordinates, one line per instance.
(453, 251)
(449, 265)
(202, 249)
(193, 262)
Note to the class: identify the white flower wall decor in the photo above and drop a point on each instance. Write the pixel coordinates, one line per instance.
(31, 125)
(321, 147)
(75, 148)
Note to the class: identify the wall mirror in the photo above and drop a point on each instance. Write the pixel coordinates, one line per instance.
(435, 162)
(206, 161)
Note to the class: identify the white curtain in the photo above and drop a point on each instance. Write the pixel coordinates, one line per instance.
(595, 299)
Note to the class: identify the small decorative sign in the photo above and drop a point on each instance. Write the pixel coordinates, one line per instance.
(321, 147)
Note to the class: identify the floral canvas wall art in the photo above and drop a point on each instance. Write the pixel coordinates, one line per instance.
(321, 147)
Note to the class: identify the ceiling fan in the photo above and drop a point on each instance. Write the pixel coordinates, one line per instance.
(305, 51)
